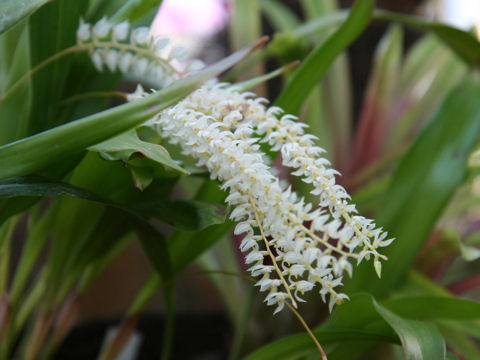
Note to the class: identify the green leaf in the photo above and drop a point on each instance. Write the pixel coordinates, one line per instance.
(297, 346)
(427, 177)
(420, 340)
(190, 215)
(14, 62)
(110, 227)
(52, 29)
(129, 143)
(434, 307)
(35, 242)
(37, 186)
(318, 62)
(151, 240)
(38, 151)
(463, 43)
(12, 11)
(134, 10)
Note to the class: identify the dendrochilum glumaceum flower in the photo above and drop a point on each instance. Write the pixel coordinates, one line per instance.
(134, 51)
(292, 246)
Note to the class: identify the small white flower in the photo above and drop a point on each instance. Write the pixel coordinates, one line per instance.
(97, 60)
(196, 65)
(111, 59)
(83, 32)
(125, 62)
(140, 36)
(178, 53)
(120, 31)
(160, 43)
(138, 94)
(140, 66)
(102, 28)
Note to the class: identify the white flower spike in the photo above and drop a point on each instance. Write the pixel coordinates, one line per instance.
(293, 246)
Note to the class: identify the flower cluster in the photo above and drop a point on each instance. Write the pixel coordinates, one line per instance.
(133, 51)
(293, 246)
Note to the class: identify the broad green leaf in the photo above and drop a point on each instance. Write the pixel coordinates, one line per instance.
(189, 215)
(297, 346)
(318, 62)
(420, 340)
(24, 156)
(12, 11)
(133, 10)
(434, 307)
(459, 342)
(129, 143)
(426, 178)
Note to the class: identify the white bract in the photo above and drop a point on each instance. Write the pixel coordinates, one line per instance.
(293, 246)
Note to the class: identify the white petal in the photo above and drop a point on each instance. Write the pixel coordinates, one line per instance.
(140, 36)
(111, 59)
(102, 28)
(120, 31)
(97, 60)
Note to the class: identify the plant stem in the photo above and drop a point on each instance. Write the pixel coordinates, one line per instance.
(169, 323)
(297, 314)
(65, 52)
(272, 257)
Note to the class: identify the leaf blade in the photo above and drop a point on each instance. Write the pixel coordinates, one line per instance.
(319, 61)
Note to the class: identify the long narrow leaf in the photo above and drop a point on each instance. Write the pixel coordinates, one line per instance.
(36, 152)
(318, 62)
(425, 180)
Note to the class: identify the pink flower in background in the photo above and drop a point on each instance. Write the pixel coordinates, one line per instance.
(191, 18)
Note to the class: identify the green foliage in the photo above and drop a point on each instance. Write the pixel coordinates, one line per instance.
(426, 179)
(317, 63)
